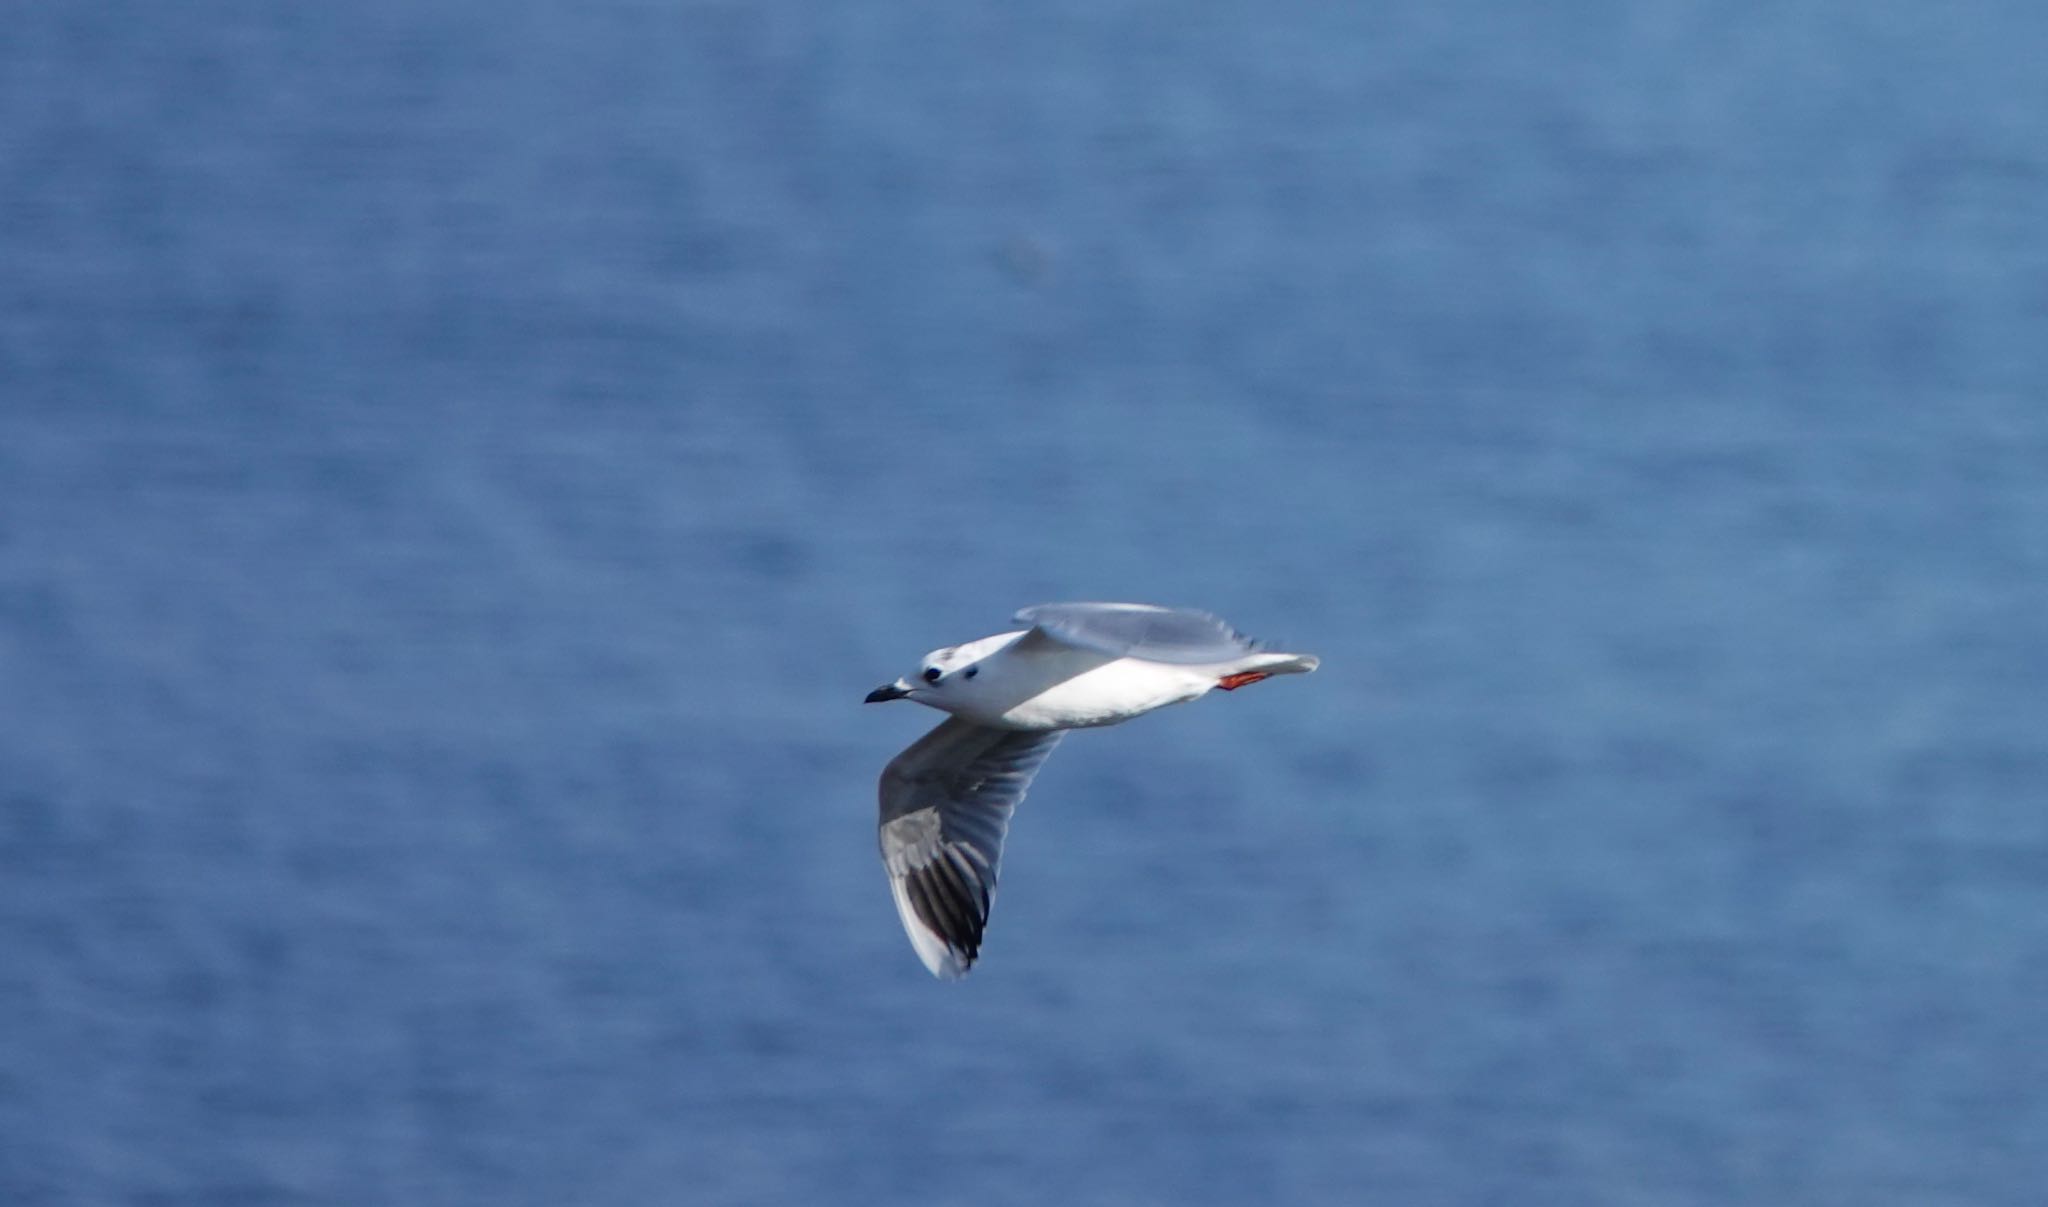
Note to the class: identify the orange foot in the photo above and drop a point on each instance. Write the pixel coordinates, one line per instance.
(1231, 683)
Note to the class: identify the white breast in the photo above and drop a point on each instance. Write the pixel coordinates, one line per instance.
(1084, 690)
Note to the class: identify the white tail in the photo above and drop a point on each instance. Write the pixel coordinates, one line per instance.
(1280, 664)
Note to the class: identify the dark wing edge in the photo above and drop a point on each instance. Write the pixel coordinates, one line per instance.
(946, 807)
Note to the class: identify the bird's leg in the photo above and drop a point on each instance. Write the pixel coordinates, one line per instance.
(1231, 683)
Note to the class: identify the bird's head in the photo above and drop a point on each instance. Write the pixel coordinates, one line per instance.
(940, 676)
(945, 677)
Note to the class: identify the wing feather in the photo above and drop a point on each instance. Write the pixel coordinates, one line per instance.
(946, 807)
(1127, 630)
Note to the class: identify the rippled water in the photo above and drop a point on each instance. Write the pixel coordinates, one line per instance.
(461, 466)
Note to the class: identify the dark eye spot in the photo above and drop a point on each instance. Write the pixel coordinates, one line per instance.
(931, 674)
(972, 671)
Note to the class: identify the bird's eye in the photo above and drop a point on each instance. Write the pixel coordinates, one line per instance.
(931, 674)
(972, 671)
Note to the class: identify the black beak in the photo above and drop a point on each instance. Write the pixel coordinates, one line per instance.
(888, 691)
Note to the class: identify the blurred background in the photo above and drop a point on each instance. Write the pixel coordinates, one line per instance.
(462, 464)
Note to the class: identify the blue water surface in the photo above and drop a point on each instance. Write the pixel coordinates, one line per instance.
(462, 464)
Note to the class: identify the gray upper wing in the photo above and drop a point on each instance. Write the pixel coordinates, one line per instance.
(1156, 634)
(946, 806)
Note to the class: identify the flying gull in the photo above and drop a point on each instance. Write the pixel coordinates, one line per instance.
(947, 799)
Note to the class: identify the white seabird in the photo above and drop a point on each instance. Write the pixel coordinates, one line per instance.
(947, 799)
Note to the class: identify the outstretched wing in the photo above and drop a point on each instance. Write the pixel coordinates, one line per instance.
(946, 805)
(1127, 630)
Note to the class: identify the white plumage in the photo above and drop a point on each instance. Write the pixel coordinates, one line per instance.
(946, 801)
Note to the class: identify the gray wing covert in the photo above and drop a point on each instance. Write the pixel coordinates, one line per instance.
(1179, 635)
(946, 806)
